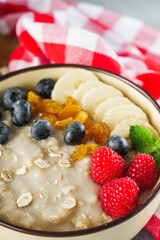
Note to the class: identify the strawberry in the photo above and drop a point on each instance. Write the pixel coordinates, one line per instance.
(106, 164)
(142, 170)
(119, 197)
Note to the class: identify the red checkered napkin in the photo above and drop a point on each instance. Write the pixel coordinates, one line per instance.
(58, 31)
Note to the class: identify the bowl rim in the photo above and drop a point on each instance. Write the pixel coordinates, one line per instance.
(106, 225)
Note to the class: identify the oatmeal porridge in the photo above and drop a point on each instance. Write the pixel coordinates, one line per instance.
(48, 182)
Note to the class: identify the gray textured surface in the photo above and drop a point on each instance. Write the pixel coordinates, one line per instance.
(145, 10)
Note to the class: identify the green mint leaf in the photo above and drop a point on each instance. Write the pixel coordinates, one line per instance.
(150, 149)
(157, 159)
(157, 143)
(141, 138)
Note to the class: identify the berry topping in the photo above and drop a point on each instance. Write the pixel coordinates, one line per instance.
(118, 144)
(142, 170)
(41, 129)
(21, 113)
(44, 87)
(74, 133)
(11, 95)
(4, 132)
(106, 165)
(119, 197)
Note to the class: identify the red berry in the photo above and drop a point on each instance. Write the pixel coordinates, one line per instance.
(106, 165)
(142, 170)
(119, 197)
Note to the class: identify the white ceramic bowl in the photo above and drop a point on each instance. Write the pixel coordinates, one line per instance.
(124, 228)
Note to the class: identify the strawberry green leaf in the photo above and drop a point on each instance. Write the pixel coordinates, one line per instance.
(157, 159)
(157, 143)
(150, 149)
(141, 138)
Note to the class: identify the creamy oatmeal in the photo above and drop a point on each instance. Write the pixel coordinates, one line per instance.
(41, 188)
(44, 184)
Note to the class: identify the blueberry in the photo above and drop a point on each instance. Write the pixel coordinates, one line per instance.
(21, 113)
(44, 87)
(118, 144)
(4, 133)
(11, 95)
(74, 133)
(41, 129)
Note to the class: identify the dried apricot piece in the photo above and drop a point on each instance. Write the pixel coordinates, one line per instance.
(91, 148)
(61, 124)
(88, 123)
(50, 117)
(100, 133)
(70, 101)
(48, 106)
(81, 117)
(69, 111)
(79, 152)
(88, 136)
(33, 98)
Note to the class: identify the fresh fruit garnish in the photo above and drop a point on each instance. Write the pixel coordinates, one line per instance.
(106, 164)
(142, 170)
(11, 95)
(44, 87)
(119, 197)
(21, 113)
(118, 144)
(82, 151)
(74, 133)
(143, 140)
(41, 129)
(4, 133)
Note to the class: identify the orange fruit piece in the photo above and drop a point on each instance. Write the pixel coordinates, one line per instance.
(50, 117)
(70, 101)
(48, 106)
(79, 152)
(100, 133)
(91, 148)
(33, 98)
(81, 117)
(61, 124)
(69, 111)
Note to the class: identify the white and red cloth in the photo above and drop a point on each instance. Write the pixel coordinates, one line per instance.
(58, 31)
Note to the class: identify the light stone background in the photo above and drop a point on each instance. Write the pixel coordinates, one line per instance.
(147, 11)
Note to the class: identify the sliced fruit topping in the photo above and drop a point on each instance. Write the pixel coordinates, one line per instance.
(11, 95)
(41, 129)
(119, 197)
(21, 113)
(142, 170)
(118, 144)
(4, 133)
(69, 82)
(44, 87)
(123, 127)
(106, 164)
(74, 133)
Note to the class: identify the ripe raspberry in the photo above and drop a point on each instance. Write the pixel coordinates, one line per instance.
(142, 170)
(106, 165)
(119, 197)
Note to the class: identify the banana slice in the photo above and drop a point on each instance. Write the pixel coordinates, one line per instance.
(95, 96)
(110, 103)
(69, 82)
(122, 128)
(85, 87)
(117, 114)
